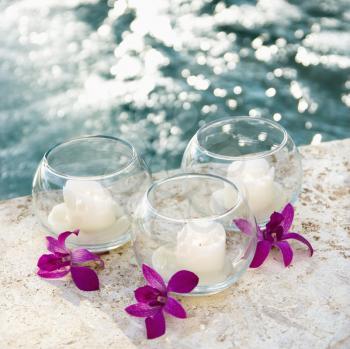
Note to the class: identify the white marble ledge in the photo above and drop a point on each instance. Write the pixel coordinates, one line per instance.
(304, 306)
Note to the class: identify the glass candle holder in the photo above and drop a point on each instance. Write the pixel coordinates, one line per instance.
(257, 154)
(90, 183)
(179, 225)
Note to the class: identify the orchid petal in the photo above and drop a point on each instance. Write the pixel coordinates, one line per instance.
(50, 262)
(279, 232)
(244, 226)
(288, 213)
(82, 255)
(54, 274)
(155, 325)
(63, 236)
(275, 220)
(286, 250)
(262, 251)
(142, 310)
(153, 278)
(247, 228)
(183, 282)
(54, 246)
(146, 294)
(85, 278)
(174, 308)
(300, 238)
(259, 232)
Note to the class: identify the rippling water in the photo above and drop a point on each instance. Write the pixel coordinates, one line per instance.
(154, 71)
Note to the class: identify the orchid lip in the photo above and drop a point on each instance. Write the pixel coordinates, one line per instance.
(161, 299)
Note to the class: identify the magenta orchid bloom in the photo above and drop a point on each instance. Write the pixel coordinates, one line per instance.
(63, 260)
(154, 298)
(275, 234)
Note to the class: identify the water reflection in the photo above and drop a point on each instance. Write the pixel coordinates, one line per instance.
(153, 72)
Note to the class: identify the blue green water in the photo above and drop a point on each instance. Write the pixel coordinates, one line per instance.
(153, 71)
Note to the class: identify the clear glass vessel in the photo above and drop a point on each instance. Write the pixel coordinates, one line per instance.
(257, 154)
(180, 225)
(90, 183)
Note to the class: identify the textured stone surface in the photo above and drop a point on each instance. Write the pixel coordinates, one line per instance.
(304, 306)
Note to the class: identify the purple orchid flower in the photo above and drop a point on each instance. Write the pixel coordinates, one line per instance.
(63, 260)
(154, 298)
(275, 234)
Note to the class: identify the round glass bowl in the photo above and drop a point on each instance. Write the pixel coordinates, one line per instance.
(180, 225)
(90, 183)
(257, 154)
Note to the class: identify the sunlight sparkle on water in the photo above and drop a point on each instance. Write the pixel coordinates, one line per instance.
(146, 70)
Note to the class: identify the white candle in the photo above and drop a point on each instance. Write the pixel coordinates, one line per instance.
(119, 227)
(59, 220)
(164, 261)
(223, 199)
(254, 168)
(201, 247)
(88, 206)
(257, 179)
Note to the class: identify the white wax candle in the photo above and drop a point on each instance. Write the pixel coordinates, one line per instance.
(260, 193)
(90, 206)
(59, 220)
(252, 168)
(257, 179)
(164, 261)
(201, 247)
(119, 227)
(223, 199)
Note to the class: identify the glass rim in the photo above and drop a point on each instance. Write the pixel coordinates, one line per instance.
(192, 175)
(89, 178)
(237, 119)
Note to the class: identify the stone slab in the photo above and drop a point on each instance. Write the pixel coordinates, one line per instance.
(304, 306)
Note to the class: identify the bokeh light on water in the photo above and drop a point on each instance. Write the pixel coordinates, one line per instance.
(154, 71)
